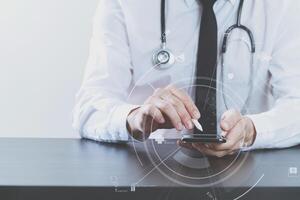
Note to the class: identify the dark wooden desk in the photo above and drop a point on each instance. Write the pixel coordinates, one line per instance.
(82, 169)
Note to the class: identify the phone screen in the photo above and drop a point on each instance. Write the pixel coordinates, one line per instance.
(203, 138)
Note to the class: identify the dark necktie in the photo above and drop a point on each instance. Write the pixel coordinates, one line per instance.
(206, 68)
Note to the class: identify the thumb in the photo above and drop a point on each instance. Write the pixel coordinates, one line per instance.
(229, 119)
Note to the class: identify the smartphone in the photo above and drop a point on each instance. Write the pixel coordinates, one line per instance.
(203, 138)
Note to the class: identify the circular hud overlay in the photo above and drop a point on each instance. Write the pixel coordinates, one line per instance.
(193, 169)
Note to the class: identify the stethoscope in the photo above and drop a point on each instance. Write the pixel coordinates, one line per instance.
(164, 58)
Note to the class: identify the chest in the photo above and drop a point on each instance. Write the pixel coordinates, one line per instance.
(182, 29)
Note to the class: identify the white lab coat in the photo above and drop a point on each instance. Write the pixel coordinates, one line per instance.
(120, 76)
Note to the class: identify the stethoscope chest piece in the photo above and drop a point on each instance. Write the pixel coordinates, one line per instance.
(163, 58)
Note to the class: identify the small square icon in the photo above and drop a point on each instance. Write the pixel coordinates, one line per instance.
(293, 171)
(132, 188)
(160, 140)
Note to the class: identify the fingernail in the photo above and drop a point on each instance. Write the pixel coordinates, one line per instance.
(196, 114)
(179, 126)
(225, 125)
(190, 125)
(224, 133)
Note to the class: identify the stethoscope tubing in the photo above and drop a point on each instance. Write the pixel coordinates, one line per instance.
(224, 46)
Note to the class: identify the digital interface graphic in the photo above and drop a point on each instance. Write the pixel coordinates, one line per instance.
(183, 167)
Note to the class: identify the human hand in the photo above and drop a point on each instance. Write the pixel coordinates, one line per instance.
(167, 108)
(239, 131)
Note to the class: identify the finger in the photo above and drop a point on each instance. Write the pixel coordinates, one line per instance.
(210, 152)
(158, 92)
(155, 113)
(235, 136)
(185, 145)
(233, 152)
(180, 108)
(156, 95)
(168, 109)
(229, 119)
(148, 125)
(186, 100)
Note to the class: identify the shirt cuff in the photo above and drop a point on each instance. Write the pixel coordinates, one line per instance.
(263, 134)
(119, 120)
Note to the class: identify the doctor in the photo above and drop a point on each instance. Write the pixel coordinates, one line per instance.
(156, 65)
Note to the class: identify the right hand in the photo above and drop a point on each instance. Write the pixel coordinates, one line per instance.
(166, 109)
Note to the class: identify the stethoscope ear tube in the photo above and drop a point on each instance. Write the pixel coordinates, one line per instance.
(250, 85)
(238, 25)
(244, 28)
(163, 22)
(224, 44)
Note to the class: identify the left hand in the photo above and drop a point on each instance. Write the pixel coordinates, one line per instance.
(239, 131)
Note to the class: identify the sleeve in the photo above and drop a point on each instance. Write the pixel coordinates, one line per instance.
(101, 109)
(280, 126)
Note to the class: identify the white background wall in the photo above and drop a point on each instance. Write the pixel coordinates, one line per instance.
(43, 50)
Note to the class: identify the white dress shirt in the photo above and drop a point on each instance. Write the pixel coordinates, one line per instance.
(120, 76)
